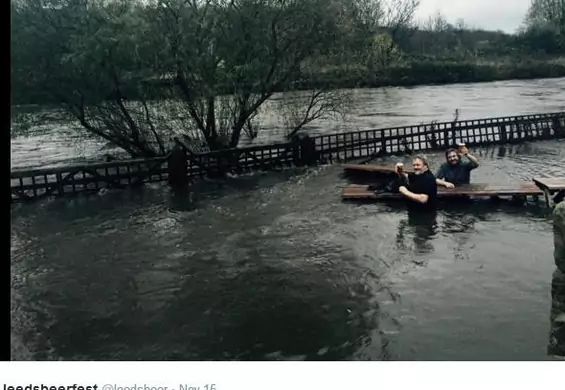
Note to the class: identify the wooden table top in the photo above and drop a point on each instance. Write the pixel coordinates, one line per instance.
(551, 183)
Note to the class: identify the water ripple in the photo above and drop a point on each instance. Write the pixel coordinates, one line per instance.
(274, 266)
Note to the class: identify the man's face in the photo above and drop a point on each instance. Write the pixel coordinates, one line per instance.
(452, 158)
(418, 166)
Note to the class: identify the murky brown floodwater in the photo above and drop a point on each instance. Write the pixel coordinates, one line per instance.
(275, 266)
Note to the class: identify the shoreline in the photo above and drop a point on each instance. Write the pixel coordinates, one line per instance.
(410, 75)
(426, 84)
(438, 73)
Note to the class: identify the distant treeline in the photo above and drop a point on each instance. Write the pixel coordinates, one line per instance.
(435, 52)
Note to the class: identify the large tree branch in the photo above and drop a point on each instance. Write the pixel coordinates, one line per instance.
(189, 99)
(320, 104)
(152, 127)
(119, 99)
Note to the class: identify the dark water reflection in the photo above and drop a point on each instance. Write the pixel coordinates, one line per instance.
(275, 266)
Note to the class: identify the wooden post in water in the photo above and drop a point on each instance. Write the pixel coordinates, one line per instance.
(503, 134)
(454, 133)
(178, 173)
(304, 150)
(308, 151)
(296, 158)
(557, 128)
(446, 138)
(556, 347)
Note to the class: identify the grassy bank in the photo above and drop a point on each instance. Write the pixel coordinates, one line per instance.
(427, 72)
(410, 73)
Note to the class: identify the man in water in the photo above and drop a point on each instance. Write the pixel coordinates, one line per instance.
(419, 188)
(456, 171)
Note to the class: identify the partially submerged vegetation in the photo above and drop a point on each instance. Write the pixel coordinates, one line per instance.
(136, 73)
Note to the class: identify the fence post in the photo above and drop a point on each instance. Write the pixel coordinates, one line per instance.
(177, 167)
(546, 130)
(308, 151)
(304, 150)
(510, 136)
(558, 129)
(503, 134)
(446, 137)
(454, 134)
(296, 159)
(556, 345)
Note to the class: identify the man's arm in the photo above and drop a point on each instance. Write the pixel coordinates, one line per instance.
(421, 198)
(440, 175)
(441, 172)
(473, 161)
(444, 183)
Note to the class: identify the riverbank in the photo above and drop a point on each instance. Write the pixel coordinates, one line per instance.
(429, 72)
(415, 72)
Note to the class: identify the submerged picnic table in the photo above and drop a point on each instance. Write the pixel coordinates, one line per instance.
(539, 186)
(373, 168)
(552, 187)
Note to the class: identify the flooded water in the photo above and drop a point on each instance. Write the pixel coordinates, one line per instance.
(49, 145)
(274, 266)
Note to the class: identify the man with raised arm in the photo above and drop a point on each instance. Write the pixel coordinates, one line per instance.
(457, 168)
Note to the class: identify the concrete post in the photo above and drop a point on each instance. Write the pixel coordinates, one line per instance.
(556, 346)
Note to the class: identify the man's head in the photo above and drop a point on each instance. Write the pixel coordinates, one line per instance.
(420, 164)
(451, 156)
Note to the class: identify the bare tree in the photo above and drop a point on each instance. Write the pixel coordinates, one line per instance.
(107, 61)
(368, 13)
(396, 17)
(399, 13)
(544, 27)
(547, 13)
(461, 25)
(436, 23)
(299, 108)
(242, 50)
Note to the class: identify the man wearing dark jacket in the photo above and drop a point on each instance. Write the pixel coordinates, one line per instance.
(457, 168)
